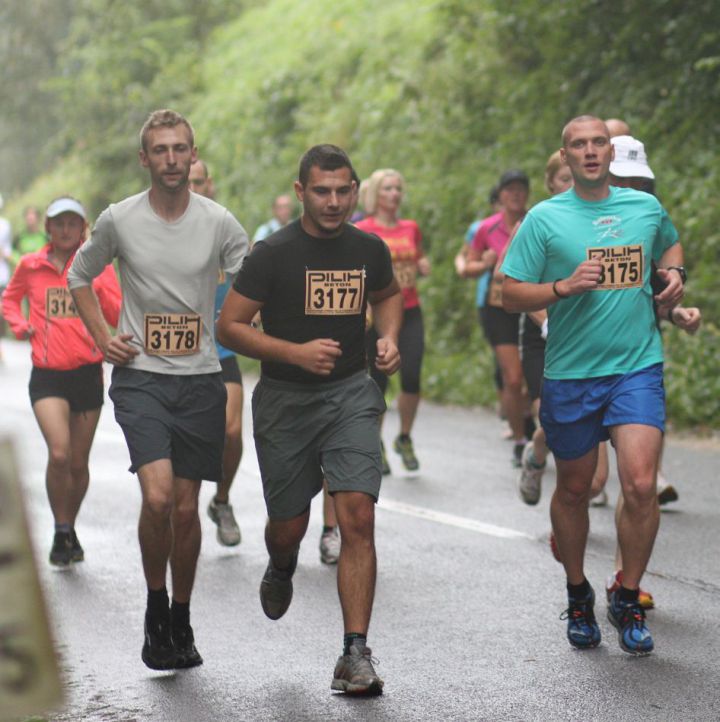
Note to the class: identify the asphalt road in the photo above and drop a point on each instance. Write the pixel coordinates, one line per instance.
(466, 623)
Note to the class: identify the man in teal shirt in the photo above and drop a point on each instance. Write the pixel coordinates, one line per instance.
(585, 255)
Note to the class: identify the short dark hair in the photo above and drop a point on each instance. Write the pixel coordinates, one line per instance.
(494, 195)
(580, 119)
(325, 157)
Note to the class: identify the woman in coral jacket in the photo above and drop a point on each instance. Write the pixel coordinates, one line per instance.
(66, 383)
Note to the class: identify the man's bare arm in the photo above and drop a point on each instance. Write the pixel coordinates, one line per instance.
(115, 349)
(387, 307)
(234, 330)
(672, 293)
(520, 296)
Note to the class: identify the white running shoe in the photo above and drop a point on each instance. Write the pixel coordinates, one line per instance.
(530, 481)
(330, 547)
(228, 531)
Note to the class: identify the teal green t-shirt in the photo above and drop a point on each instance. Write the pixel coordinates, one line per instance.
(610, 330)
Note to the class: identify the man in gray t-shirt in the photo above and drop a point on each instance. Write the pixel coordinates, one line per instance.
(167, 390)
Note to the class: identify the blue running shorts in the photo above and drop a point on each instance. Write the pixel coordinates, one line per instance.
(577, 414)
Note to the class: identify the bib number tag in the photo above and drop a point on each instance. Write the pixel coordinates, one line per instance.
(622, 266)
(59, 303)
(334, 293)
(172, 334)
(406, 273)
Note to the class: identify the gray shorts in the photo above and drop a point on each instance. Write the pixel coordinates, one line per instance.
(304, 433)
(164, 416)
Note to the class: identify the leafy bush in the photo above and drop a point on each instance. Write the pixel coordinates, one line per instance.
(451, 92)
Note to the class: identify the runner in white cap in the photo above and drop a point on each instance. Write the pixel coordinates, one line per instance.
(66, 383)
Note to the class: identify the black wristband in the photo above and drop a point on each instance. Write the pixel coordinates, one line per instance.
(670, 317)
(555, 291)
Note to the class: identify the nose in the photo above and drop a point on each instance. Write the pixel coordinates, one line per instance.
(171, 157)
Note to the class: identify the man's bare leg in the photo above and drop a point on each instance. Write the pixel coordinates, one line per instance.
(569, 512)
(638, 452)
(357, 567)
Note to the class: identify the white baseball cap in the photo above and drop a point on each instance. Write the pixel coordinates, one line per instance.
(65, 205)
(630, 158)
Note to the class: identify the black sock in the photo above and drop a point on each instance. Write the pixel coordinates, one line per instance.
(628, 595)
(63, 528)
(326, 529)
(180, 614)
(158, 603)
(353, 639)
(529, 426)
(579, 591)
(404, 437)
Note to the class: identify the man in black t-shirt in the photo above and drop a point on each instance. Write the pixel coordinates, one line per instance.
(315, 409)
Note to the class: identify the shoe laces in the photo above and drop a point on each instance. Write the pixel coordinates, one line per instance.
(365, 657)
(580, 611)
(632, 613)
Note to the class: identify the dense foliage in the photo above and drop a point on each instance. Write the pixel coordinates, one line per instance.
(451, 92)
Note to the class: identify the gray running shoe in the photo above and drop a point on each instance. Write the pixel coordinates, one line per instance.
(404, 447)
(276, 589)
(355, 674)
(600, 499)
(386, 470)
(330, 547)
(530, 481)
(228, 531)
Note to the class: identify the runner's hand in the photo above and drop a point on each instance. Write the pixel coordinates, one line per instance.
(319, 356)
(672, 294)
(584, 278)
(119, 352)
(388, 356)
(688, 319)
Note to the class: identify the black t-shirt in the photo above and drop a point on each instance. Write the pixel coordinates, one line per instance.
(315, 288)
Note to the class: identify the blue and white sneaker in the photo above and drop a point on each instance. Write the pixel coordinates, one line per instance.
(583, 631)
(629, 619)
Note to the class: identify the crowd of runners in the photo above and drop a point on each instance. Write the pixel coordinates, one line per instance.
(571, 294)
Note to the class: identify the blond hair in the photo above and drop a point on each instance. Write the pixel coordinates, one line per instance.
(370, 192)
(554, 164)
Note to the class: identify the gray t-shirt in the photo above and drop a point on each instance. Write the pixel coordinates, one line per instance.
(168, 273)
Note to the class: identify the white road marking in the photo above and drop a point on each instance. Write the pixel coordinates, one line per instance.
(460, 522)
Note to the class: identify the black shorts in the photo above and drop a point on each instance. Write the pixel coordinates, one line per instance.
(168, 416)
(532, 353)
(82, 387)
(411, 344)
(501, 328)
(230, 370)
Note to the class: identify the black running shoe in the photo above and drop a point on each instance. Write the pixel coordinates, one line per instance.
(78, 553)
(185, 650)
(158, 652)
(61, 554)
(276, 589)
